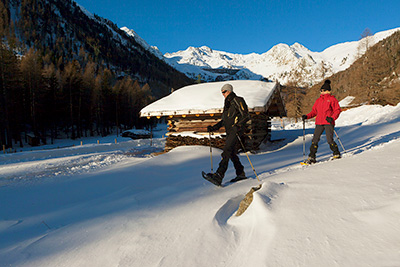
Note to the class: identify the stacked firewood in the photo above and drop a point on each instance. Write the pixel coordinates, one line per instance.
(192, 125)
(178, 140)
(258, 130)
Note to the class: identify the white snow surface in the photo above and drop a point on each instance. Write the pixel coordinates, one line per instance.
(145, 210)
(346, 102)
(206, 96)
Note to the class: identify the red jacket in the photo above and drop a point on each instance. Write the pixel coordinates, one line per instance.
(325, 106)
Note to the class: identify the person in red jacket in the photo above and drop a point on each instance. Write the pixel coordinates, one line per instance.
(326, 109)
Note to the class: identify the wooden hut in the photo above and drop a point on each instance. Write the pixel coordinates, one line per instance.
(191, 109)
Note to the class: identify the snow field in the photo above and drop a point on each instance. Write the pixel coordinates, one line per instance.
(158, 211)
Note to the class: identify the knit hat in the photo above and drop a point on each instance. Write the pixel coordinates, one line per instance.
(326, 86)
(227, 87)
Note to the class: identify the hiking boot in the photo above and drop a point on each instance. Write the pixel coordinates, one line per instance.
(337, 156)
(334, 149)
(313, 150)
(239, 177)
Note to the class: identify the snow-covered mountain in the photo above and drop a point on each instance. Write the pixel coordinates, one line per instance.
(294, 63)
(142, 42)
(65, 29)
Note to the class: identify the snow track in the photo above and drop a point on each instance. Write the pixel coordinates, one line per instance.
(37, 165)
(72, 165)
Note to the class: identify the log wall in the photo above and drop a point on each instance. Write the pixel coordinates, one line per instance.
(258, 130)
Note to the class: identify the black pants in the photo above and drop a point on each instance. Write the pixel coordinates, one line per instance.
(329, 130)
(230, 152)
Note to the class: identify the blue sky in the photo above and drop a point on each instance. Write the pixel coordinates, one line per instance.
(240, 26)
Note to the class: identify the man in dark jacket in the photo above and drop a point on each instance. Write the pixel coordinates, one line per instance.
(327, 110)
(234, 118)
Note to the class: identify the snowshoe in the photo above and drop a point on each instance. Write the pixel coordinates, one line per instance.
(214, 178)
(309, 161)
(238, 178)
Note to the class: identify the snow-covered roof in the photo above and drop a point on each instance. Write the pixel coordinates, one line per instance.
(206, 98)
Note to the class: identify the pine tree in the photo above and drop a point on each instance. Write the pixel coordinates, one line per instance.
(4, 20)
(9, 84)
(72, 86)
(106, 101)
(89, 84)
(51, 99)
(32, 82)
(364, 43)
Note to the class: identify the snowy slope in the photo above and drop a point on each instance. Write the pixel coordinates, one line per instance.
(158, 211)
(142, 42)
(282, 62)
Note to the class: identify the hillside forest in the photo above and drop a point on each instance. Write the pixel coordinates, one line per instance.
(77, 98)
(374, 78)
(64, 75)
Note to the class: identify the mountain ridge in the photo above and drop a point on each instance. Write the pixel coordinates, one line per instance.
(63, 28)
(285, 63)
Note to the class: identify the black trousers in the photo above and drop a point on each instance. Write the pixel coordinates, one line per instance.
(329, 130)
(230, 153)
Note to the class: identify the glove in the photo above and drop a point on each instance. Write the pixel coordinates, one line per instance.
(304, 117)
(329, 119)
(210, 128)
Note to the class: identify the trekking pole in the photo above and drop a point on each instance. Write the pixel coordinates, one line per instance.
(209, 135)
(337, 136)
(304, 140)
(248, 157)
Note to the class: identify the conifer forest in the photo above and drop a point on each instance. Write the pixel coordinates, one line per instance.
(63, 74)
